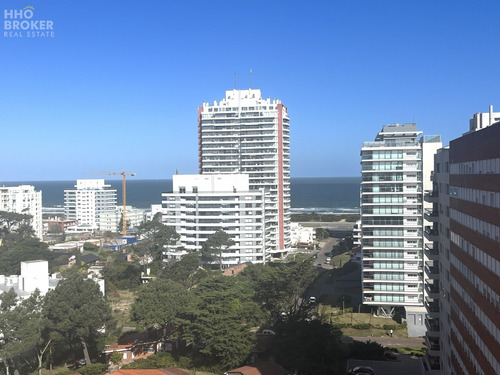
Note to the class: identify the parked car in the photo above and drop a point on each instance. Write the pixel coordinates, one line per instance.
(268, 332)
(361, 370)
(328, 260)
(312, 299)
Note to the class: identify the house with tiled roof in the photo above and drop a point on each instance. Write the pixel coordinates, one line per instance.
(135, 345)
(260, 368)
(160, 371)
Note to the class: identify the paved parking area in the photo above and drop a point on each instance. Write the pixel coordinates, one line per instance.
(405, 364)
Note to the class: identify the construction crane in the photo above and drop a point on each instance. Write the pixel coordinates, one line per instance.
(124, 192)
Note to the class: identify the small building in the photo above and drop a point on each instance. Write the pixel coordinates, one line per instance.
(159, 371)
(302, 236)
(135, 345)
(260, 368)
(34, 275)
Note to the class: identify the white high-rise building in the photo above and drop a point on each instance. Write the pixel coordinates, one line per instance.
(244, 133)
(86, 203)
(396, 169)
(200, 205)
(23, 199)
(110, 220)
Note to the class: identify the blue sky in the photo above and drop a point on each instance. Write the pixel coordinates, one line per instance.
(119, 84)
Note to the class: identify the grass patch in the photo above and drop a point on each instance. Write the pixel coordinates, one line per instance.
(415, 351)
(363, 324)
(121, 302)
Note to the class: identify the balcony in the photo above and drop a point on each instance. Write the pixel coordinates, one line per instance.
(433, 347)
(431, 252)
(432, 216)
(431, 234)
(432, 290)
(431, 196)
(431, 365)
(432, 272)
(433, 327)
(432, 309)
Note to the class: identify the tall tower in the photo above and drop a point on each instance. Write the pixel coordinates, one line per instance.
(244, 133)
(463, 334)
(396, 169)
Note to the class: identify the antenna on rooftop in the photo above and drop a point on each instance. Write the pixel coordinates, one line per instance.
(235, 77)
(250, 77)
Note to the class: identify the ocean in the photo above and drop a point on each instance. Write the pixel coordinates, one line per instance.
(322, 194)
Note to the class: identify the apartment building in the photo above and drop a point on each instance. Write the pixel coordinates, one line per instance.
(23, 199)
(111, 221)
(90, 199)
(464, 308)
(396, 169)
(244, 133)
(200, 205)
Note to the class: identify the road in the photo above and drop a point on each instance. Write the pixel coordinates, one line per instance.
(326, 247)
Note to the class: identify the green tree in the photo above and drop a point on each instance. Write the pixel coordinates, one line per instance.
(187, 271)
(155, 235)
(322, 233)
(159, 304)
(308, 347)
(123, 275)
(16, 249)
(8, 326)
(215, 246)
(221, 321)
(32, 336)
(78, 312)
(282, 289)
(15, 223)
(119, 227)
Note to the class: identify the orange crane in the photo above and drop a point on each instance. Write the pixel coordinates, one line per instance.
(124, 193)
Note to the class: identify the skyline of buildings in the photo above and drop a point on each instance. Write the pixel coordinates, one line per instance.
(430, 218)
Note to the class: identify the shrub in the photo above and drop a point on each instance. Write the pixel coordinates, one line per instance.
(94, 369)
(362, 326)
(390, 356)
(388, 327)
(116, 357)
(185, 362)
(366, 350)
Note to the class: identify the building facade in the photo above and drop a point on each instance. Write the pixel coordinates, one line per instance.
(200, 205)
(244, 133)
(396, 168)
(111, 221)
(465, 315)
(23, 199)
(90, 199)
